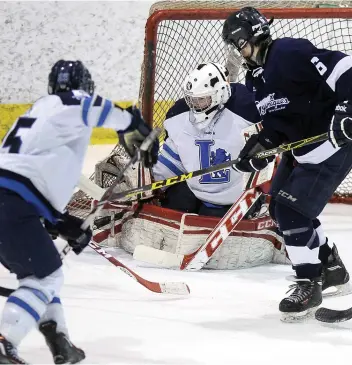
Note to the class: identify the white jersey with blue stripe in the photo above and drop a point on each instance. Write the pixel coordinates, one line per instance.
(186, 149)
(42, 155)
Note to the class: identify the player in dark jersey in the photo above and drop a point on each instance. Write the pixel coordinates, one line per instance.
(300, 91)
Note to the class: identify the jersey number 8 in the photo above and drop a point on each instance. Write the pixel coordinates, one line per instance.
(319, 65)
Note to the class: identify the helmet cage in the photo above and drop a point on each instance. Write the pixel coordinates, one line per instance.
(247, 26)
(68, 76)
(201, 103)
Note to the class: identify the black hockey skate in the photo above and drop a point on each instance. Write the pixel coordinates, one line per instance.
(63, 351)
(8, 353)
(335, 275)
(303, 301)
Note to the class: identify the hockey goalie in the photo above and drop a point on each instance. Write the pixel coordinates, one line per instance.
(205, 128)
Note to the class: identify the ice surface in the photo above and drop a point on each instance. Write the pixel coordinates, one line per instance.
(231, 317)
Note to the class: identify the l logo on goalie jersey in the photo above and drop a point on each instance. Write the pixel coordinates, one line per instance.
(208, 158)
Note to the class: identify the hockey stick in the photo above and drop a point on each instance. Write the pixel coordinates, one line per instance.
(163, 288)
(90, 188)
(178, 288)
(177, 179)
(196, 260)
(333, 315)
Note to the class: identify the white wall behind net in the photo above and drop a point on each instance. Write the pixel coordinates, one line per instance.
(107, 36)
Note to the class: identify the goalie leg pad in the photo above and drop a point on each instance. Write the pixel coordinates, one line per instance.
(251, 244)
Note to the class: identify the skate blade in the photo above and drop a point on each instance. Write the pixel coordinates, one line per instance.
(298, 317)
(338, 290)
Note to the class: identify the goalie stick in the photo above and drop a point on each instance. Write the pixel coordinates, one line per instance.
(177, 179)
(196, 260)
(333, 315)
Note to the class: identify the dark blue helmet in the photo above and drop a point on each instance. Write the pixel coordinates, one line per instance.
(245, 26)
(70, 75)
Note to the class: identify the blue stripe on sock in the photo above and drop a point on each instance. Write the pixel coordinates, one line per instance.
(56, 300)
(25, 306)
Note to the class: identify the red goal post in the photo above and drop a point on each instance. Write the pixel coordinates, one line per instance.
(181, 34)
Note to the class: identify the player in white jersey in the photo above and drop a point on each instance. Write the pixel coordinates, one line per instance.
(40, 164)
(202, 129)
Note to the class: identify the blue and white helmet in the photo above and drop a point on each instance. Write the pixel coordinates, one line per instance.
(206, 90)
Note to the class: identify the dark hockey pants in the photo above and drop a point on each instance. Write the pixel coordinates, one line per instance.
(25, 246)
(299, 194)
(180, 197)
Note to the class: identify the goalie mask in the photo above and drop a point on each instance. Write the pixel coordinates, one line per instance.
(68, 76)
(248, 26)
(206, 90)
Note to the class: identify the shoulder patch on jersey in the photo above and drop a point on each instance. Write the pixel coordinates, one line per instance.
(242, 103)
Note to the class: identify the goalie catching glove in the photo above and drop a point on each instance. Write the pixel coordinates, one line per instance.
(132, 138)
(340, 131)
(256, 143)
(69, 229)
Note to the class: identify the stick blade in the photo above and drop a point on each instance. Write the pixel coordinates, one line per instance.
(157, 257)
(177, 288)
(333, 316)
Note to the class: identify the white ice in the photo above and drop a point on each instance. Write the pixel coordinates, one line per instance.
(230, 317)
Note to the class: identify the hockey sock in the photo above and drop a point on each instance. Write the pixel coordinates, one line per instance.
(301, 240)
(324, 249)
(55, 312)
(22, 311)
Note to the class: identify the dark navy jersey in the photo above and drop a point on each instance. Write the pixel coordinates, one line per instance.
(297, 90)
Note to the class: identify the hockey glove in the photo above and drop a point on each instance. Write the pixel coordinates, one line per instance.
(340, 131)
(51, 229)
(256, 143)
(134, 135)
(69, 228)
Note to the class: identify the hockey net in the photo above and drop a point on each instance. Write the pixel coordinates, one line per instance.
(179, 35)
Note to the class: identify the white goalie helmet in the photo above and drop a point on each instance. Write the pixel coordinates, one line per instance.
(206, 90)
